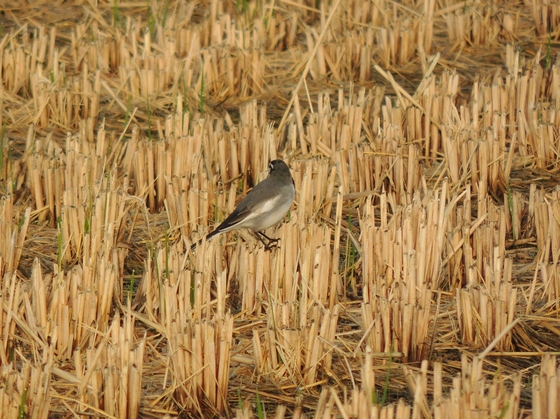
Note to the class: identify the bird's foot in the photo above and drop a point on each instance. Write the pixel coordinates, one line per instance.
(270, 244)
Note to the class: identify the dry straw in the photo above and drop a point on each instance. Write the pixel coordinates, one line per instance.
(418, 269)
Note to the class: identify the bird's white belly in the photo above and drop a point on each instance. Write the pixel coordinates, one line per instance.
(268, 219)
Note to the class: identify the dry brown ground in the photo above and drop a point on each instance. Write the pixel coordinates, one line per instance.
(418, 272)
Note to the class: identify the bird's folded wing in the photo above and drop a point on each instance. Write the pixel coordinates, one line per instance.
(244, 213)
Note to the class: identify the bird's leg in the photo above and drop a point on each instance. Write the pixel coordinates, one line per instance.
(271, 242)
(270, 239)
(260, 237)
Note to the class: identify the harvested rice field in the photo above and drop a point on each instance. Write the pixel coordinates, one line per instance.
(418, 270)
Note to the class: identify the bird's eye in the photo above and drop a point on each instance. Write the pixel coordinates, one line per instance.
(270, 166)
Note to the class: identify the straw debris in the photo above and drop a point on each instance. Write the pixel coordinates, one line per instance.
(418, 271)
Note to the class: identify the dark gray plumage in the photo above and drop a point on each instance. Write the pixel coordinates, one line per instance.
(265, 205)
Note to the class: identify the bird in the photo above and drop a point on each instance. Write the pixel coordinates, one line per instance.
(264, 206)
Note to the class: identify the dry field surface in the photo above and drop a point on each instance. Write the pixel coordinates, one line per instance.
(418, 270)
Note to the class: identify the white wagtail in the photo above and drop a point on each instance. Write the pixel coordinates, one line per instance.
(265, 205)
